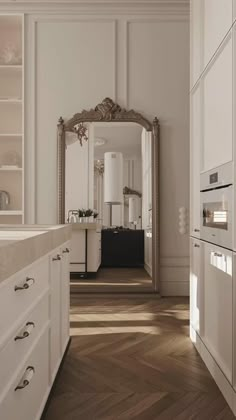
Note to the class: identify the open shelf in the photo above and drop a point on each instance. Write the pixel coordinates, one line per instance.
(10, 169)
(11, 40)
(11, 135)
(12, 116)
(10, 82)
(11, 212)
(11, 219)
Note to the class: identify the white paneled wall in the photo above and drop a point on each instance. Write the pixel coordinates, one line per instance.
(74, 60)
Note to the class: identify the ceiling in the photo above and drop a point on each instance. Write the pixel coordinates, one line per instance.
(125, 139)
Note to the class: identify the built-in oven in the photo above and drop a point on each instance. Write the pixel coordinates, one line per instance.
(216, 207)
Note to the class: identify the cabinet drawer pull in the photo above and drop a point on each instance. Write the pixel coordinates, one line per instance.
(57, 258)
(25, 381)
(28, 329)
(196, 246)
(196, 230)
(217, 254)
(66, 251)
(28, 282)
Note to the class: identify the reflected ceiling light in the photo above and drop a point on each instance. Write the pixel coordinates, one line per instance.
(99, 141)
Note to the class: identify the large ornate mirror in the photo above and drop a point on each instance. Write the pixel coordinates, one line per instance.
(108, 161)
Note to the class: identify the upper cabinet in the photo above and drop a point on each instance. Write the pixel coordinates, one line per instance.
(211, 20)
(196, 41)
(217, 139)
(11, 119)
(196, 132)
(217, 21)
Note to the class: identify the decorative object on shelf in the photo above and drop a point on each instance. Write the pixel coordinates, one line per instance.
(81, 131)
(4, 200)
(11, 159)
(99, 166)
(73, 216)
(10, 55)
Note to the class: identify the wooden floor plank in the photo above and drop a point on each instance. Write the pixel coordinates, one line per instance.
(133, 359)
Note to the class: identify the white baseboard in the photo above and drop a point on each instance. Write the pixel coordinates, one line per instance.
(174, 288)
(221, 381)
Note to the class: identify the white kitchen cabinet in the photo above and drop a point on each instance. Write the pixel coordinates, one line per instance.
(55, 337)
(60, 304)
(218, 109)
(78, 248)
(34, 332)
(196, 286)
(218, 18)
(195, 150)
(65, 296)
(196, 8)
(218, 306)
(26, 403)
(94, 250)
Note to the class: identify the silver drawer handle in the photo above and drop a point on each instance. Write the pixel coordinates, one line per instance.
(217, 254)
(57, 258)
(25, 381)
(66, 251)
(28, 329)
(196, 246)
(196, 230)
(28, 282)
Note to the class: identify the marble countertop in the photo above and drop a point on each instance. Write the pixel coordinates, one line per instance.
(83, 226)
(21, 245)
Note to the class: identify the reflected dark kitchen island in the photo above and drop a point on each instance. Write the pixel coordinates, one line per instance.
(122, 247)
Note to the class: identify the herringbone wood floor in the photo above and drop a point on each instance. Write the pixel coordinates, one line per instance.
(131, 358)
(114, 280)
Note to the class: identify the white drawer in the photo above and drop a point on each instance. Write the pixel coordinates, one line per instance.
(26, 403)
(17, 347)
(15, 303)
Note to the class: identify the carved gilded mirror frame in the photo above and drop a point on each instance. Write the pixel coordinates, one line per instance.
(108, 111)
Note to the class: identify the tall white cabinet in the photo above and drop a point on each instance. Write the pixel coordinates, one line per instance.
(212, 268)
(12, 117)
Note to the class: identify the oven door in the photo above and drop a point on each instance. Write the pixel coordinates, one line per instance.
(216, 216)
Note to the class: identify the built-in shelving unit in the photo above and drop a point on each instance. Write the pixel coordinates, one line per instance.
(12, 117)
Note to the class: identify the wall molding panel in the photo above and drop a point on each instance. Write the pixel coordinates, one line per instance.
(116, 76)
(123, 7)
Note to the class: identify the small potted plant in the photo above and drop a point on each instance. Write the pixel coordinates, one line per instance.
(81, 213)
(95, 214)
(88, 215)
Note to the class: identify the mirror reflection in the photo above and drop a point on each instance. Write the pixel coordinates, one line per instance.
(108, 201)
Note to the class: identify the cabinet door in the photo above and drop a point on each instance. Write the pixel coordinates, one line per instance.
(218, 308)
(195, 147)
(218, 18)
(65, 296)
(55, 275)
(196, 40)
(218, 106)
(196, 286)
